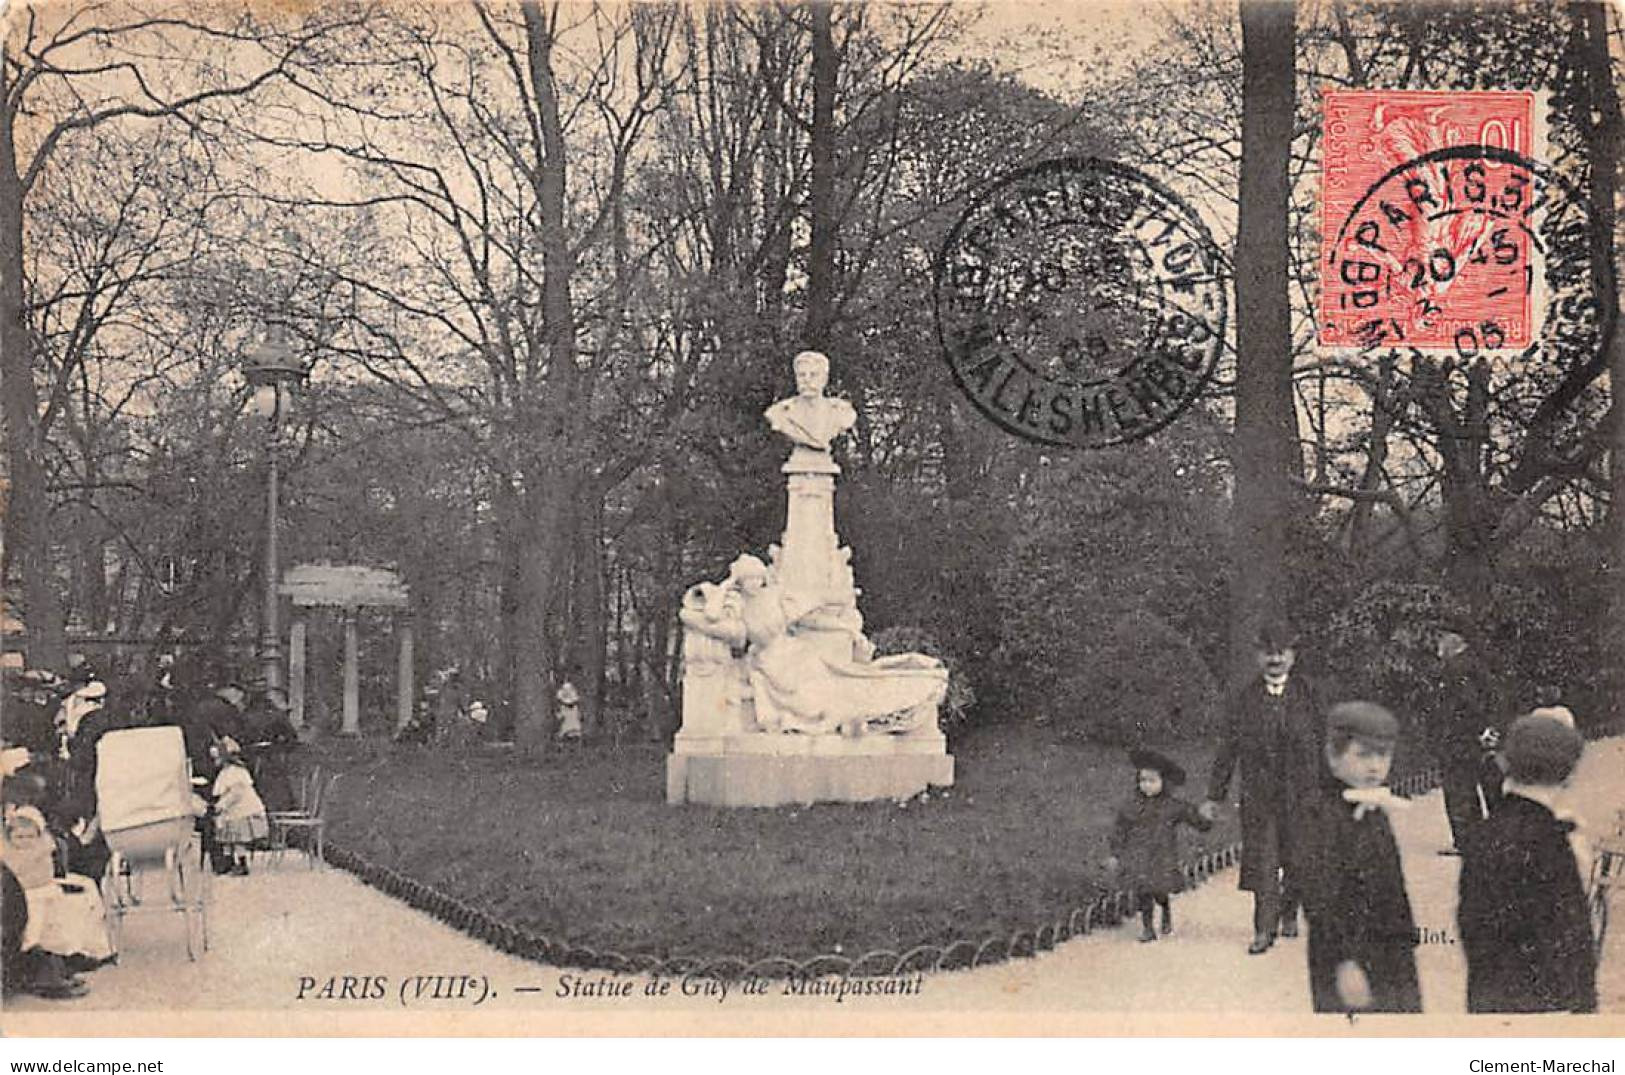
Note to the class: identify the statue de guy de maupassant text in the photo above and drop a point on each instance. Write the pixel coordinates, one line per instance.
(784, 700)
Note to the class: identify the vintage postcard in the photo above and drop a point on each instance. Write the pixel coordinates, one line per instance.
(829, 519)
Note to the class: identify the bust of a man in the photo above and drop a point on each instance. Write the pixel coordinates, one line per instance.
(810, 419)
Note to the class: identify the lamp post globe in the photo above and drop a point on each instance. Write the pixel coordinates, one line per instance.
(273, 371)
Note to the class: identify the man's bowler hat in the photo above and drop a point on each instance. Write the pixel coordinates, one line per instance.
(1275, 634)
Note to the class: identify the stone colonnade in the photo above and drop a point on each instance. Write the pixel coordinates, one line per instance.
(347, 590)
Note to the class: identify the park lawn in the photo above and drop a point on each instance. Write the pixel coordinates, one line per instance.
(581, 847)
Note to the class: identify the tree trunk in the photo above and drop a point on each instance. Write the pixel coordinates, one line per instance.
(1604, 144)
(510, 537)
(93, 605)
(821, 199)
(1376, 456)
(27, 515)
(547, 513)
(1470, 522)
(552, 472)
(591, 608)
(616, 632)
(1264, 445)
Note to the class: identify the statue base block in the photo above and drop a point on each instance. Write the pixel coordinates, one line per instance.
(771, 769)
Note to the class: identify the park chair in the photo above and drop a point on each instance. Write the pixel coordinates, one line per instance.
(1607, 869)
(306, 797)
(310, 818)
(145, 806)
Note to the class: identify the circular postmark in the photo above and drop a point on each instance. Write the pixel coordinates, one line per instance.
(1455, 250)
(1477, 258)
(1080, 303)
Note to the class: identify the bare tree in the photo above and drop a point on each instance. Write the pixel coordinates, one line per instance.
(64, 73)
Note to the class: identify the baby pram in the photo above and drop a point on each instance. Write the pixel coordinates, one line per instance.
(144, 802)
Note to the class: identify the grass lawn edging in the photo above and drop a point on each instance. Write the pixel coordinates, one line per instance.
(1107, 910)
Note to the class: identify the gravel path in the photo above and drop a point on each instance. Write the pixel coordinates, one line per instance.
(287, 928)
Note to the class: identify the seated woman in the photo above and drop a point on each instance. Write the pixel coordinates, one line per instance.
(797, 688)
(55, 923)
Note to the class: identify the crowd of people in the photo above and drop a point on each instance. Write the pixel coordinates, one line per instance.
(1316, 836)
(1314, 811)
(54, 855)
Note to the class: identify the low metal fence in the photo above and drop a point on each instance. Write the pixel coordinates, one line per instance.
(1104, 911)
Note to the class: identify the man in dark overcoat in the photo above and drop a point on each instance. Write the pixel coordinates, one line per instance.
(216, 715)
(1464, 726)
(1273, 729)
(32, 699)
(270, 740)
(1525, 924)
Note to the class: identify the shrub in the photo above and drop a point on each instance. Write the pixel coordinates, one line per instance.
(1381, 644)
(956, 706)
(1145, 681)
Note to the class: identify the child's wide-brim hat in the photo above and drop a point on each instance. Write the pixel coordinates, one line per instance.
(1171, 772)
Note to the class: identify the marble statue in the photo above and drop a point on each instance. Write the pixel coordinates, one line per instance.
(715, 685)
(783, 698)
(796, 687)
(810, 419)
(793, 628)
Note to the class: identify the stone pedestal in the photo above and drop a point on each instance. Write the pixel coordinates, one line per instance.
(809, 561)
(809, 548)
(782, 701)
(786, 770)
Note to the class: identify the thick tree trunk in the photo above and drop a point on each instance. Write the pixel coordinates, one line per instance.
(552, 473)
(1604, 140)
(27, 516)
(92, 543)
(547, 510)
(510, 538)
(821, 200)
(591, 607)
(1264, 445)
(1470, 514)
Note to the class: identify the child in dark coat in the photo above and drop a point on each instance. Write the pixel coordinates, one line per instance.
(1145, 843)
(1362, 935)
(1522, 907)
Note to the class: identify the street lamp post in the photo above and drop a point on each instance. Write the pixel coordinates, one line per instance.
(273, 372)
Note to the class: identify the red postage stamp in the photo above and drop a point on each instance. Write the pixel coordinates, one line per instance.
(1423, 244)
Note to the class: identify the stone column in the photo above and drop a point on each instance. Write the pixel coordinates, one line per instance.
(807, 550)
(810, 564)
(352, 676)
(403, 676)
(296, 670)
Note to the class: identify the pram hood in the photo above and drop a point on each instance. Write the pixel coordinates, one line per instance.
(142, 777)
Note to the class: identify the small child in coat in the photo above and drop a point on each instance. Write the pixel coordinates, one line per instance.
(1145, 843)
(1522, 911)
(239, 815)
(1362, 934)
